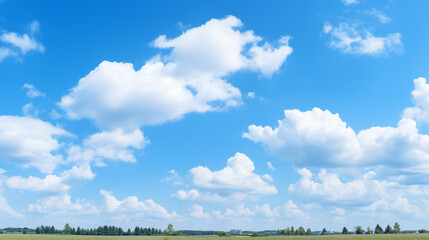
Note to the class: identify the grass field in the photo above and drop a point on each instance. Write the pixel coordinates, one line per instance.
(314, 237)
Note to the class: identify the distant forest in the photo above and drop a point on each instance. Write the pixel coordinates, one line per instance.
(137, 231)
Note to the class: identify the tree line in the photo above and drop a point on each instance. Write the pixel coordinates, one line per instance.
(292, 231)
(377, 230)
(101, 231)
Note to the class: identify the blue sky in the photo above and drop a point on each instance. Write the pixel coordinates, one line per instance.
(214, 115)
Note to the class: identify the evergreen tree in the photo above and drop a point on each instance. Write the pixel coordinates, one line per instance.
(129, 232)
(136, 231)
(378, 229)
(308, 231)
(388, 229)
(345, 231)
(324, 232)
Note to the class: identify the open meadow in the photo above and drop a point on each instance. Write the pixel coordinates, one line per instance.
(313, 237)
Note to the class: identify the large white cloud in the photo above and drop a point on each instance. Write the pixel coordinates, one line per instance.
(348, 38)
(319, 138)
(134, 206)
(237, 177)
(117, 144)
(50, 184)
(365, 193)
(30, 142)
(114, 95)
(61, 204)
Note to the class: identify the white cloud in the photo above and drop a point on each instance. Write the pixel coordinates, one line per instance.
(30, 142)
(350, 2)
(195, 195)
(267, 177)
(5, 208)
(319, 138)
(291, 210)
(6, 52)
(302, 135)
(251, 95)
(15, 44)
(237, 176)
(420, 112)
(330, 186)
(379, 15)
(50, 184)
(133, 205)
(32, 91)
(338, 211)
(365, 193)
(174, 177)
(29, 110)
(61, 204)
(266, 211)
(239, 212)
(81, 171)
(270, 166)
(112, 145)
(114, 95)
(392, 204)
(349, 39)
(197, 211)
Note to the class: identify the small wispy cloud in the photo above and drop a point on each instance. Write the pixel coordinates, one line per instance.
(348, 38)
(379, 15)
(32, 91)
(13, 44)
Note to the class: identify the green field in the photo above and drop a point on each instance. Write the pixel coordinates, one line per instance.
(314, 237)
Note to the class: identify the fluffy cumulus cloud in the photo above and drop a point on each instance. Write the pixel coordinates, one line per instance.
(133, 205)
(29, 142)
(14, 44)
(420, 94)
(365, 193)
(197, 211)
(319, 138)
(348, 38)
(49, 184)
(289, 210)
(189, 79)
(117, 144)
(61, 204)
(302, 135)
(237, 177)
